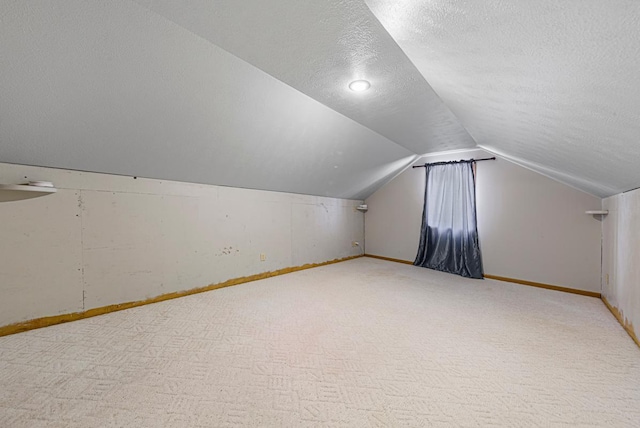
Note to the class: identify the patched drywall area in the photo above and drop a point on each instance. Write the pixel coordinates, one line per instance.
(105, 239)
(620, 256)
(531, 227)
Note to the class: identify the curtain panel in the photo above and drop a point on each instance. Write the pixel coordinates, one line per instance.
(449, 234)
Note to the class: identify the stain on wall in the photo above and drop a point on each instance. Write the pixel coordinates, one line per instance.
(620, 256)
(103, 239)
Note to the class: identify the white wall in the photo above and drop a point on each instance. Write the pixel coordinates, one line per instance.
(105, 239)
(531, 227)
(621, 256)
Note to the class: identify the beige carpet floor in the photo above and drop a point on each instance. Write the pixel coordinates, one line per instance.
(364, 343)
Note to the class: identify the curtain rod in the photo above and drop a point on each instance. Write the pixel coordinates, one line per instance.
(460, 161)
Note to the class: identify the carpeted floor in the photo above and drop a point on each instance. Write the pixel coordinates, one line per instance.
(360, 343)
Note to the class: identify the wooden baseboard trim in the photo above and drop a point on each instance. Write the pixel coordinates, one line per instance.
(503, 278)
(628, 327)
(547, 286)
(59, 319)
(389, 259)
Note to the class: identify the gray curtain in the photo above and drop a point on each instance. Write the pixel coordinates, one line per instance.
(449, 235)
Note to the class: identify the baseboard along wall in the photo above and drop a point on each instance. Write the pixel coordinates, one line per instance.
(628, 327)
(389, 259)
(59, 319)
(541, 285)
(505, 279)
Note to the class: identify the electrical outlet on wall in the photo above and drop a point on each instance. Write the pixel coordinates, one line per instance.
(263, 257)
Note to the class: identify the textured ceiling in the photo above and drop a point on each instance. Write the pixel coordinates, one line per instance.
(551, 84)
(319, 47)
(254, 93)
(112, 87)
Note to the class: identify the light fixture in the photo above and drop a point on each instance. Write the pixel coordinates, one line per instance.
(359, 85)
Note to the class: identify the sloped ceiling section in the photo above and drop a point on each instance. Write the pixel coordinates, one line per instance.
(113, 87)
(319, 47)
(550, 84)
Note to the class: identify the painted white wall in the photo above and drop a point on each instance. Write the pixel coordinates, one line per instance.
(105, 239)
(620, 255)
(531, 227)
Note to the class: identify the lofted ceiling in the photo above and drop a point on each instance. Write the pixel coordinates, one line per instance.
(113, 87)
(551, 84)
(318, 48)
(255, 93)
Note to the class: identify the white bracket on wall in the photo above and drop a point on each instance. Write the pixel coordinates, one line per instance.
(362, 208)
(33, 189)
(598, 214)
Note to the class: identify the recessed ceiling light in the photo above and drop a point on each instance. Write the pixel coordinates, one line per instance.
(359, 85)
